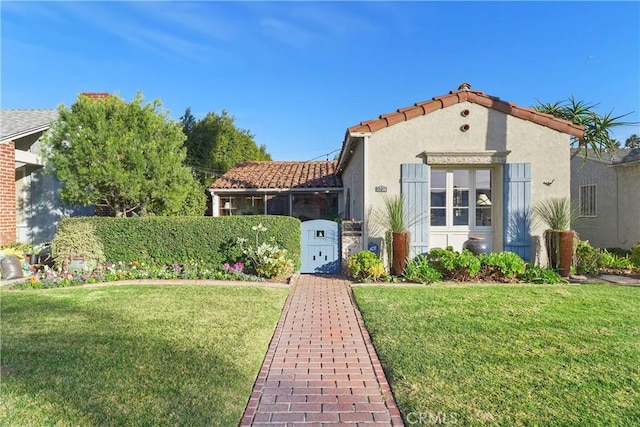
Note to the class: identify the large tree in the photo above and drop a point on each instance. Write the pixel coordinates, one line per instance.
(215, 144)
(632, 142)
(127, 157)
(597, 128)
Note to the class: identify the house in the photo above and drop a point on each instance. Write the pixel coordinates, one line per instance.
(29, 203)
(468, 165)
(305, 190)
(607, 190)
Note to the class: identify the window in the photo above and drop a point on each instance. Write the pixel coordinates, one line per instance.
(461, 198)
(588, 200)
(315, 205)
(228, 206)
(483, 197)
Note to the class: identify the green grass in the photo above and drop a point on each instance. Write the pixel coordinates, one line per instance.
(133, 355)
(509, 355)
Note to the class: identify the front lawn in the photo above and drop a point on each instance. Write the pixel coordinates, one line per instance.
(133, 355)
(509, 355)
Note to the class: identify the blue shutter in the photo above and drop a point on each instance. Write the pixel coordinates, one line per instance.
(517, 209)
(414, 180)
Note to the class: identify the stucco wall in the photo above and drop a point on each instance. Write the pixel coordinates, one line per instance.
(353, 181)
(489, 131)
(629, 198)
(617, 223)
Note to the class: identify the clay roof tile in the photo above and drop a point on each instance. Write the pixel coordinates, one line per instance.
(280, 174)
(463, 94)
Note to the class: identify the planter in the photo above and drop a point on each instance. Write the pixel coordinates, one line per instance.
(560, 249)
(400, 244)
(476, 245)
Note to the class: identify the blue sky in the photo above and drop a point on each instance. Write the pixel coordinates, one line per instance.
(297, 74)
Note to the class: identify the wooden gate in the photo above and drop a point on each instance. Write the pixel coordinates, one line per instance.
(320, 247)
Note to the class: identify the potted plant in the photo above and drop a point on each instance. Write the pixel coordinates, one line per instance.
(560, 241)
(393, 217)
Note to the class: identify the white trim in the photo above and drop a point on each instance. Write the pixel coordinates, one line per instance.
(467, 158)
(27, 157)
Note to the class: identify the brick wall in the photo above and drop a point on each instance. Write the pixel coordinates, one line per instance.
(7, 193)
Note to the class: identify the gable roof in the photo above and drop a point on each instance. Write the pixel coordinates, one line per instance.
(279, 175)
(620, 156)
(15, 124)
(465, 94)
(626, 155)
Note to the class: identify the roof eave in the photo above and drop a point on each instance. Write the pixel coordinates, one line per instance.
(347, 147)
(276, 190)
(23, 133)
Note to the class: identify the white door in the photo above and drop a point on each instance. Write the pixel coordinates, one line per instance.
(460, 206)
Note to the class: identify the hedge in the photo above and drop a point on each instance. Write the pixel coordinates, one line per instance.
(162, 241)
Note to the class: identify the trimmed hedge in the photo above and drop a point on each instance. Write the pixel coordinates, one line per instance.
(166, 240)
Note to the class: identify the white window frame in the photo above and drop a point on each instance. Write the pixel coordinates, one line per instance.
(589, 207)
(449, 208)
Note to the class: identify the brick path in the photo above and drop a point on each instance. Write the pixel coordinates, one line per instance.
(321, 368)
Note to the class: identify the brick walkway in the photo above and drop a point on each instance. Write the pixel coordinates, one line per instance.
(321, 368)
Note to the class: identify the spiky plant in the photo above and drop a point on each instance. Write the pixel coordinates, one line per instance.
(556, 213)
(597, 128)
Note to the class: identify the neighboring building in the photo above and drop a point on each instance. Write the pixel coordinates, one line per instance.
(607, 191)
(29, 203)
(468, 165)
(305, 190)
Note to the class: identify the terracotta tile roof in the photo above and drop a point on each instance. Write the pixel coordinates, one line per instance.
(464, 93)
(289, 174)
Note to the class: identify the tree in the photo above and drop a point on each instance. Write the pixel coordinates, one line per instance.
(597, 128)
(124, 156)
(187, 121)
(632, 142)
(214, 144)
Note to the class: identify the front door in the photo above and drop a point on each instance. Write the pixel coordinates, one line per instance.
(319, 247)
(461, 206)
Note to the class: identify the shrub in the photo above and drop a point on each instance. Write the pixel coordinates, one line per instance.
(160, 241)
(266, 260)
(587, 258)
(540, 275)
(608, 260)
(76, 238)
(269, 261)
(419, 270)
(635, 255)
(590, 260)
(365, 266)
(458, 266)
(501, 266)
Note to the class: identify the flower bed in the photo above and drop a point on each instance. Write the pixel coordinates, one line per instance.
(52, 278)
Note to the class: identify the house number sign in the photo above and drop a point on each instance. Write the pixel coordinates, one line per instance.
(381, 189)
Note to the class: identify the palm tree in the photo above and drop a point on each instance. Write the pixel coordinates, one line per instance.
(632, 142)
(597, 128)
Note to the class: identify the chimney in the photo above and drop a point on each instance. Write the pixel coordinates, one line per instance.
(96, 95)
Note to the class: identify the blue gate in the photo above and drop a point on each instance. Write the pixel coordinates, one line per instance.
(319, 247)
